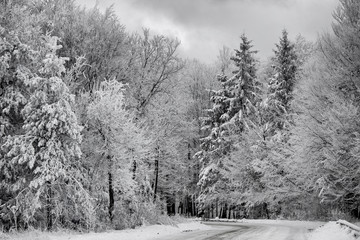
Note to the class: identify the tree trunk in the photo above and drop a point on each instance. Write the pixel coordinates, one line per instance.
(225, 211)
(217, 208)
(134, 170)
(111, 197)
(134, 164)
(111, 191)
(49, 219)
(266, 210)
(156, 177)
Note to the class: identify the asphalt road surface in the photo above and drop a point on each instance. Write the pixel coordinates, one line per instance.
(246, 231)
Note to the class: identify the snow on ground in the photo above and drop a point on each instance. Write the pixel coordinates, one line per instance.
(332, 231)
(142, 233)
(260, 229)
(288, 223)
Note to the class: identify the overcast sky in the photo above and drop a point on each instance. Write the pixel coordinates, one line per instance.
(204, 26)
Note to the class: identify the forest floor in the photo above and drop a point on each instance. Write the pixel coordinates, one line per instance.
(244, 229)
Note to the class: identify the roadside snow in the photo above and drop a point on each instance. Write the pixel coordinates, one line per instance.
(142, 233)
(332, 231)
(259, 229)
(284, 223)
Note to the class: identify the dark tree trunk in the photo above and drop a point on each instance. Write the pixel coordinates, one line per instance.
(156, 177)
(49, 219)
(134, 164)
(224, 211)
(134, 170)
(111, 191)
(111, 197)
(217, 208)
(266, 210)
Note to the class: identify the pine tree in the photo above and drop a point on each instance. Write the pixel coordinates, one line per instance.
(234, 107)
(281, 84)
(41, 163)
(244, 84)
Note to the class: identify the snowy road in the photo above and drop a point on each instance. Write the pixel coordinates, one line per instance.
(248, 231)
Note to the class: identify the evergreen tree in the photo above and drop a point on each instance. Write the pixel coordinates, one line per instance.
(268, 169)
(244, 85)
(41, 164)
(281, 85)
(234, 107)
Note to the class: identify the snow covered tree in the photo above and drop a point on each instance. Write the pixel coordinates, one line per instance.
(332, 113)
(244, 85)
(152, 63)
(42, 163)
(265, 153)
(281, 85)
(18, 38)
(233, 112)
(16, 64)
(96, 36)
(116, 148)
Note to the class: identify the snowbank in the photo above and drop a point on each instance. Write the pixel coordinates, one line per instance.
(288, 223)
(142, 233)
(332, 231)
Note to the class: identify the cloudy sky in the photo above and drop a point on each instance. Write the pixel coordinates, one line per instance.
(204, 26)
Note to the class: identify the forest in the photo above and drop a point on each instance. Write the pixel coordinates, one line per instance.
(102, 128)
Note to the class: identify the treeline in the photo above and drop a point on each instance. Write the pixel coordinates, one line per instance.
(96, 126)
(283, 143)
(102, 128)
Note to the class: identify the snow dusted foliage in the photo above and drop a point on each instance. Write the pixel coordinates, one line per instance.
(52, 135)
(115, 147)
(18, 61)
(117, 125)
(152, 64)
(41, 163)
(327, 133)
(13, 73)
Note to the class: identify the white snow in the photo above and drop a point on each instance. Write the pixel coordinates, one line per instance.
(263, 230)
(288, 223)
(142, 233)
(332, 231)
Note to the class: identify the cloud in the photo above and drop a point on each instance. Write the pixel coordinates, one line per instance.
(204, 26)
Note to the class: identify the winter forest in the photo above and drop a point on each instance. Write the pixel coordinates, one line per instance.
(102, 128)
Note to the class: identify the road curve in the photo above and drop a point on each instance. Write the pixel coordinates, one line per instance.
(247, 231)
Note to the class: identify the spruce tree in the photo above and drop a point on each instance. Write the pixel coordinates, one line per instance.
(41, 163)
(281, 84)
(234, 105)
(244, 85)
